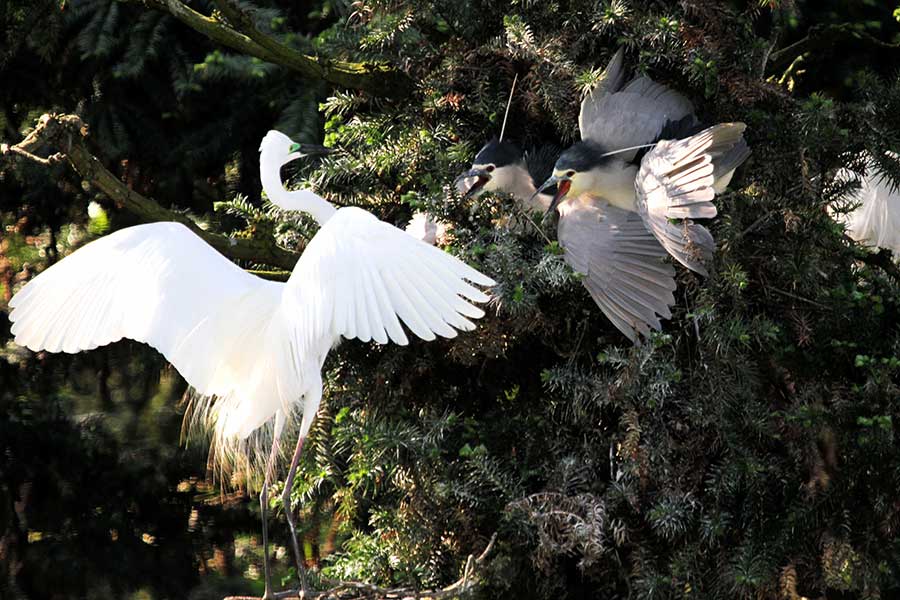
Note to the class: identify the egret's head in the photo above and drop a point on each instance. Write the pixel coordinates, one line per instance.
(575, 170)
(493, 169)
(278, 149)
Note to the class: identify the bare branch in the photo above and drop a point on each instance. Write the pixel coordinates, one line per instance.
(820, 37)
(375, 78)
(67, 133)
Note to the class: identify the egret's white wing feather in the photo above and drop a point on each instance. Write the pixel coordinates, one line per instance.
(161, 284)
(876, 221)
(359, 274)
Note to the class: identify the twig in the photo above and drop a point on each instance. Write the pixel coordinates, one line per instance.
(68, 133)
(47, 162)
(823, 36)
(796, 297)
(524, 213)
(755, 224)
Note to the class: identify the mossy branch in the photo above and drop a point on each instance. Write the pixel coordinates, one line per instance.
(241, 34)
(67, 133)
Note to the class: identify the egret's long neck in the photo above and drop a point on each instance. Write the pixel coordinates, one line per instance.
(521, 186)
(300, 200)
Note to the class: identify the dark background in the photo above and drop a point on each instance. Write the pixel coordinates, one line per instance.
(749, 451)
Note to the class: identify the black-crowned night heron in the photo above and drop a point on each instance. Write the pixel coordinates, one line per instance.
(500, 167)
(617, 217)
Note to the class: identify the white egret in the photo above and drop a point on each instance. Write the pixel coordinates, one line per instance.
(617, 217)
(252, 348)
(875, 222)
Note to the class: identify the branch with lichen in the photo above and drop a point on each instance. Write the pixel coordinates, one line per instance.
(67, 133)
(241, 34)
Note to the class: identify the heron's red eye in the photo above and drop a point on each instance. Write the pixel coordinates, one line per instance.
(570, 173)
(490, 168)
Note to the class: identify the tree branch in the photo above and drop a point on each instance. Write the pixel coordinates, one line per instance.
(823, 36)
(884, 260)
(67, 133)
(351, 590)
(375, 78)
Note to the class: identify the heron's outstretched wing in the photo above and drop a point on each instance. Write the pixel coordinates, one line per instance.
(636, 114)
(161, 284)
(676, 181)
(359, 277)
(621, 263)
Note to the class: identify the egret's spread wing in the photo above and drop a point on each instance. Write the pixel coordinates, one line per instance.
(359, 277)
(161, 284)
(621, 262)
(635, 115)
(676, 181)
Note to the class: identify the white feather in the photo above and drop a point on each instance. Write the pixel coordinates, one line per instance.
(252, 348)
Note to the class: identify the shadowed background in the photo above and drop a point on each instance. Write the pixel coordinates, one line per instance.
(749, 451)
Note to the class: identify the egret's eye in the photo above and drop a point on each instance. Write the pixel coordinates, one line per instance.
(490, 168)
(570, 173)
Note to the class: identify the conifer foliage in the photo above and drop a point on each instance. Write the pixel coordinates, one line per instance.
(747, 451)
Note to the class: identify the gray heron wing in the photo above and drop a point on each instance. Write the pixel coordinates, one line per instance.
(632, 116)
(676, 181)
(610, 82)
(621, 264)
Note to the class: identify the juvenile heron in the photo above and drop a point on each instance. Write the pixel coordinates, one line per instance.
(252, 348)
(616, 215)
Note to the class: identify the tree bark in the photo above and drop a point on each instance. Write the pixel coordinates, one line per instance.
(68, 132)
(377, 79)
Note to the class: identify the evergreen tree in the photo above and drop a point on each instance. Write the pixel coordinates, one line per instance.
(747, 451)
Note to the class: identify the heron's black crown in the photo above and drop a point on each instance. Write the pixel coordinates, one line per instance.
(582, 157)
(498, 153)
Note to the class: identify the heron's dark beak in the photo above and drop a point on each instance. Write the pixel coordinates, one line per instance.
(482, 178)
(562, 184)
(310, 149)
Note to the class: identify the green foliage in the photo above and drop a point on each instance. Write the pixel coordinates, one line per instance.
(748, 450)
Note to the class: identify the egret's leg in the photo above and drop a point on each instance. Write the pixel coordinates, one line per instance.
(289, 512)
(263, 508)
